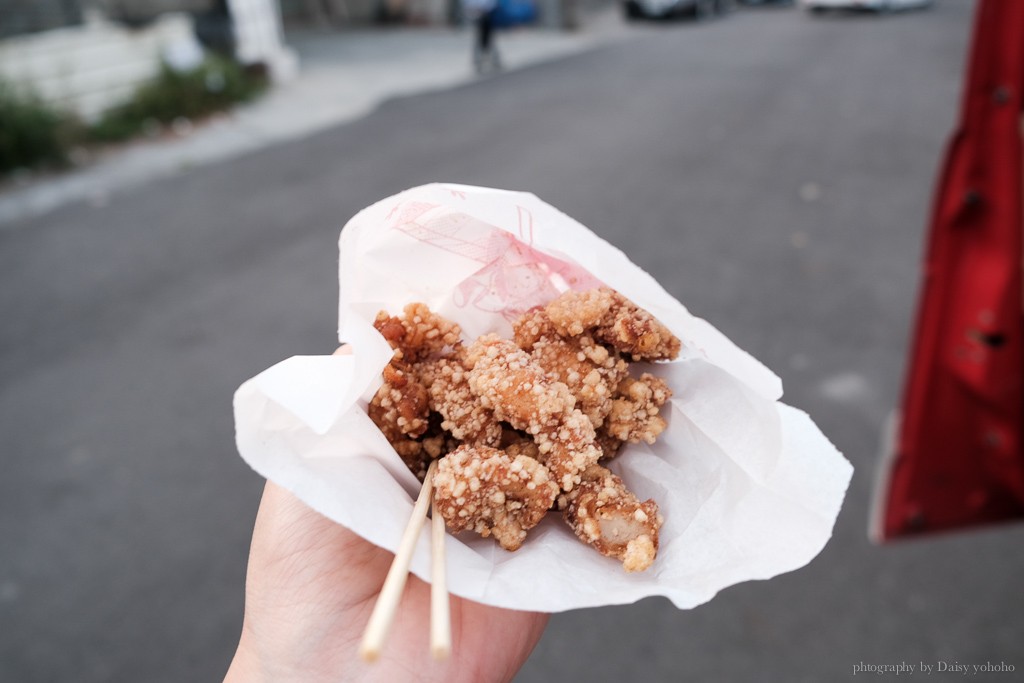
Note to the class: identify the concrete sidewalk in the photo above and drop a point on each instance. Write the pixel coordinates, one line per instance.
(343, 75)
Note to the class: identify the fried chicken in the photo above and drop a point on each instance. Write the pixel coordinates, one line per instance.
(519, 424)
(419, 333)
(588, 369)
(492, 493)
(614, 320)
(606, 515)
(634, 415)
(509, 382)
(449, 393)
(400, 408)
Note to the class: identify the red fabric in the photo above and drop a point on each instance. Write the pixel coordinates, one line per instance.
(959, 456)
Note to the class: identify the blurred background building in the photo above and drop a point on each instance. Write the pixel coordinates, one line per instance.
(88, 55)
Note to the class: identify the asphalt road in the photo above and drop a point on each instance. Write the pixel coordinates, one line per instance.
(772, 170)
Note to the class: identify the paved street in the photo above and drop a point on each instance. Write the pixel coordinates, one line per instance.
(773, 170)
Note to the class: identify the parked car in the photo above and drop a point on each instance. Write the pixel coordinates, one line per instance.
(665, 9)
(874, 5)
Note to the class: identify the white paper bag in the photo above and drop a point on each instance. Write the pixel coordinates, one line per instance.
(749, 487)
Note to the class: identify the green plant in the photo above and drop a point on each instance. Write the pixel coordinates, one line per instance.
(215, 85)
(32, 133)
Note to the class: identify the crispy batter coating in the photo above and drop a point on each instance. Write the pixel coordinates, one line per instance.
(413, 454)
(614, 320)
(533, 326)
(515, 423)
(527, 447)
(609, 445)
(419, 333)
(634, 416)
(513, 437)
(569, 449)
(492, 493)
(465, 417)
(588, 369)
(606, 515)
(399, 408)
(517, 389)
(417, 453)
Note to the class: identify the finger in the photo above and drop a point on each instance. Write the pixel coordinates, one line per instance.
(343, 350)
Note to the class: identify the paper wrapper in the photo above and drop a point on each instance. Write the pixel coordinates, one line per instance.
(749, 487)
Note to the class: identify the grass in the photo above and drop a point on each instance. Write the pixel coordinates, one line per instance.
(36, 135)
(215, 85)
(32, 133)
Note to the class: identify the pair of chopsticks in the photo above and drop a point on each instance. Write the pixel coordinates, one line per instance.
(391, 592)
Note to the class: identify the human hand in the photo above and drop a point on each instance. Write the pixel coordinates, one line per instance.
(310, 588)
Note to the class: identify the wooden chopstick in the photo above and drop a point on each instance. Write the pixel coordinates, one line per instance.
(440, 617)
(391, 592)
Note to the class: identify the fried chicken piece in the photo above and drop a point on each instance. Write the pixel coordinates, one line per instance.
(517, 442)
(604, 514)
(614, 320)
(509, 381)
(515, 423)
(528, 448)
(569, 449)
(609, 445)
(399, 408)
(417, 453)
(513, 437)
(419, 333)
(449, 393)
(533, 326)
(492, 493)
(589, 370)
(414, 456)
(634, 416)
(518, 390)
